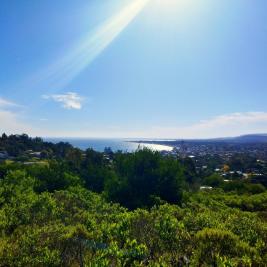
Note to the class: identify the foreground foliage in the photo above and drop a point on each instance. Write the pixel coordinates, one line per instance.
(60, 210)
(75, 227)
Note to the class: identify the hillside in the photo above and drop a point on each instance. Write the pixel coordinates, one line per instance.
(68, 207)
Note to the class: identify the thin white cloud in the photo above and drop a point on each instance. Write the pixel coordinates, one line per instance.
(233, 124)
(4, 103)
(227, 125)
(220, 126)
(235, 119)
(12, 124)
(10, 120)
(68, 100)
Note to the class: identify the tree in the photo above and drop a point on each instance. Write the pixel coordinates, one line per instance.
(215, 180)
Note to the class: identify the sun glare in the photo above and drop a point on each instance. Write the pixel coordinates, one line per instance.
(64, 70)
(172, 3)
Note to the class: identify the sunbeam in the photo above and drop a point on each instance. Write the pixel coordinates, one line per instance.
(65, 69)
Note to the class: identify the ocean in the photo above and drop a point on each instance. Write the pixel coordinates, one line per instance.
(101, 144)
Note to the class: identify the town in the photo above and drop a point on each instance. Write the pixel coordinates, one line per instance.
(231, 160)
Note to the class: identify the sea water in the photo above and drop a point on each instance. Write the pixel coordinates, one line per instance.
(115, 144)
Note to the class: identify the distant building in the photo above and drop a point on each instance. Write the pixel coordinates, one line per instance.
(35, 154)
(246, 175)
(206, 187)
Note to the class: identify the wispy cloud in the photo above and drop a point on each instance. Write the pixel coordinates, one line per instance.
(10, 120)
(4, 103)
(12, 124)
(234, 119)
(68, 100)
(233, 124)
(220, 126)
(227, 125)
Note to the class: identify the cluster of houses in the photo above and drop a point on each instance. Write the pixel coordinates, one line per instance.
(33, 154)
(29, 153)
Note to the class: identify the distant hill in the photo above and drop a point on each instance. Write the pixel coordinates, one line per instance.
(250, 138)
(243, 139)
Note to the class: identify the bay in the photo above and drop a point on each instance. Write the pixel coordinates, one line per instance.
(100, 144)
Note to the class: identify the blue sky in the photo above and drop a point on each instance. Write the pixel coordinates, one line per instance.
(133, 68)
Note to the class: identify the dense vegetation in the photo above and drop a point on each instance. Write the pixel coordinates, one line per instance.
(83, 208)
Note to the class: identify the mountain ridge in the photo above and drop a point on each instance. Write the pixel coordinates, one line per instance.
(246, 138)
